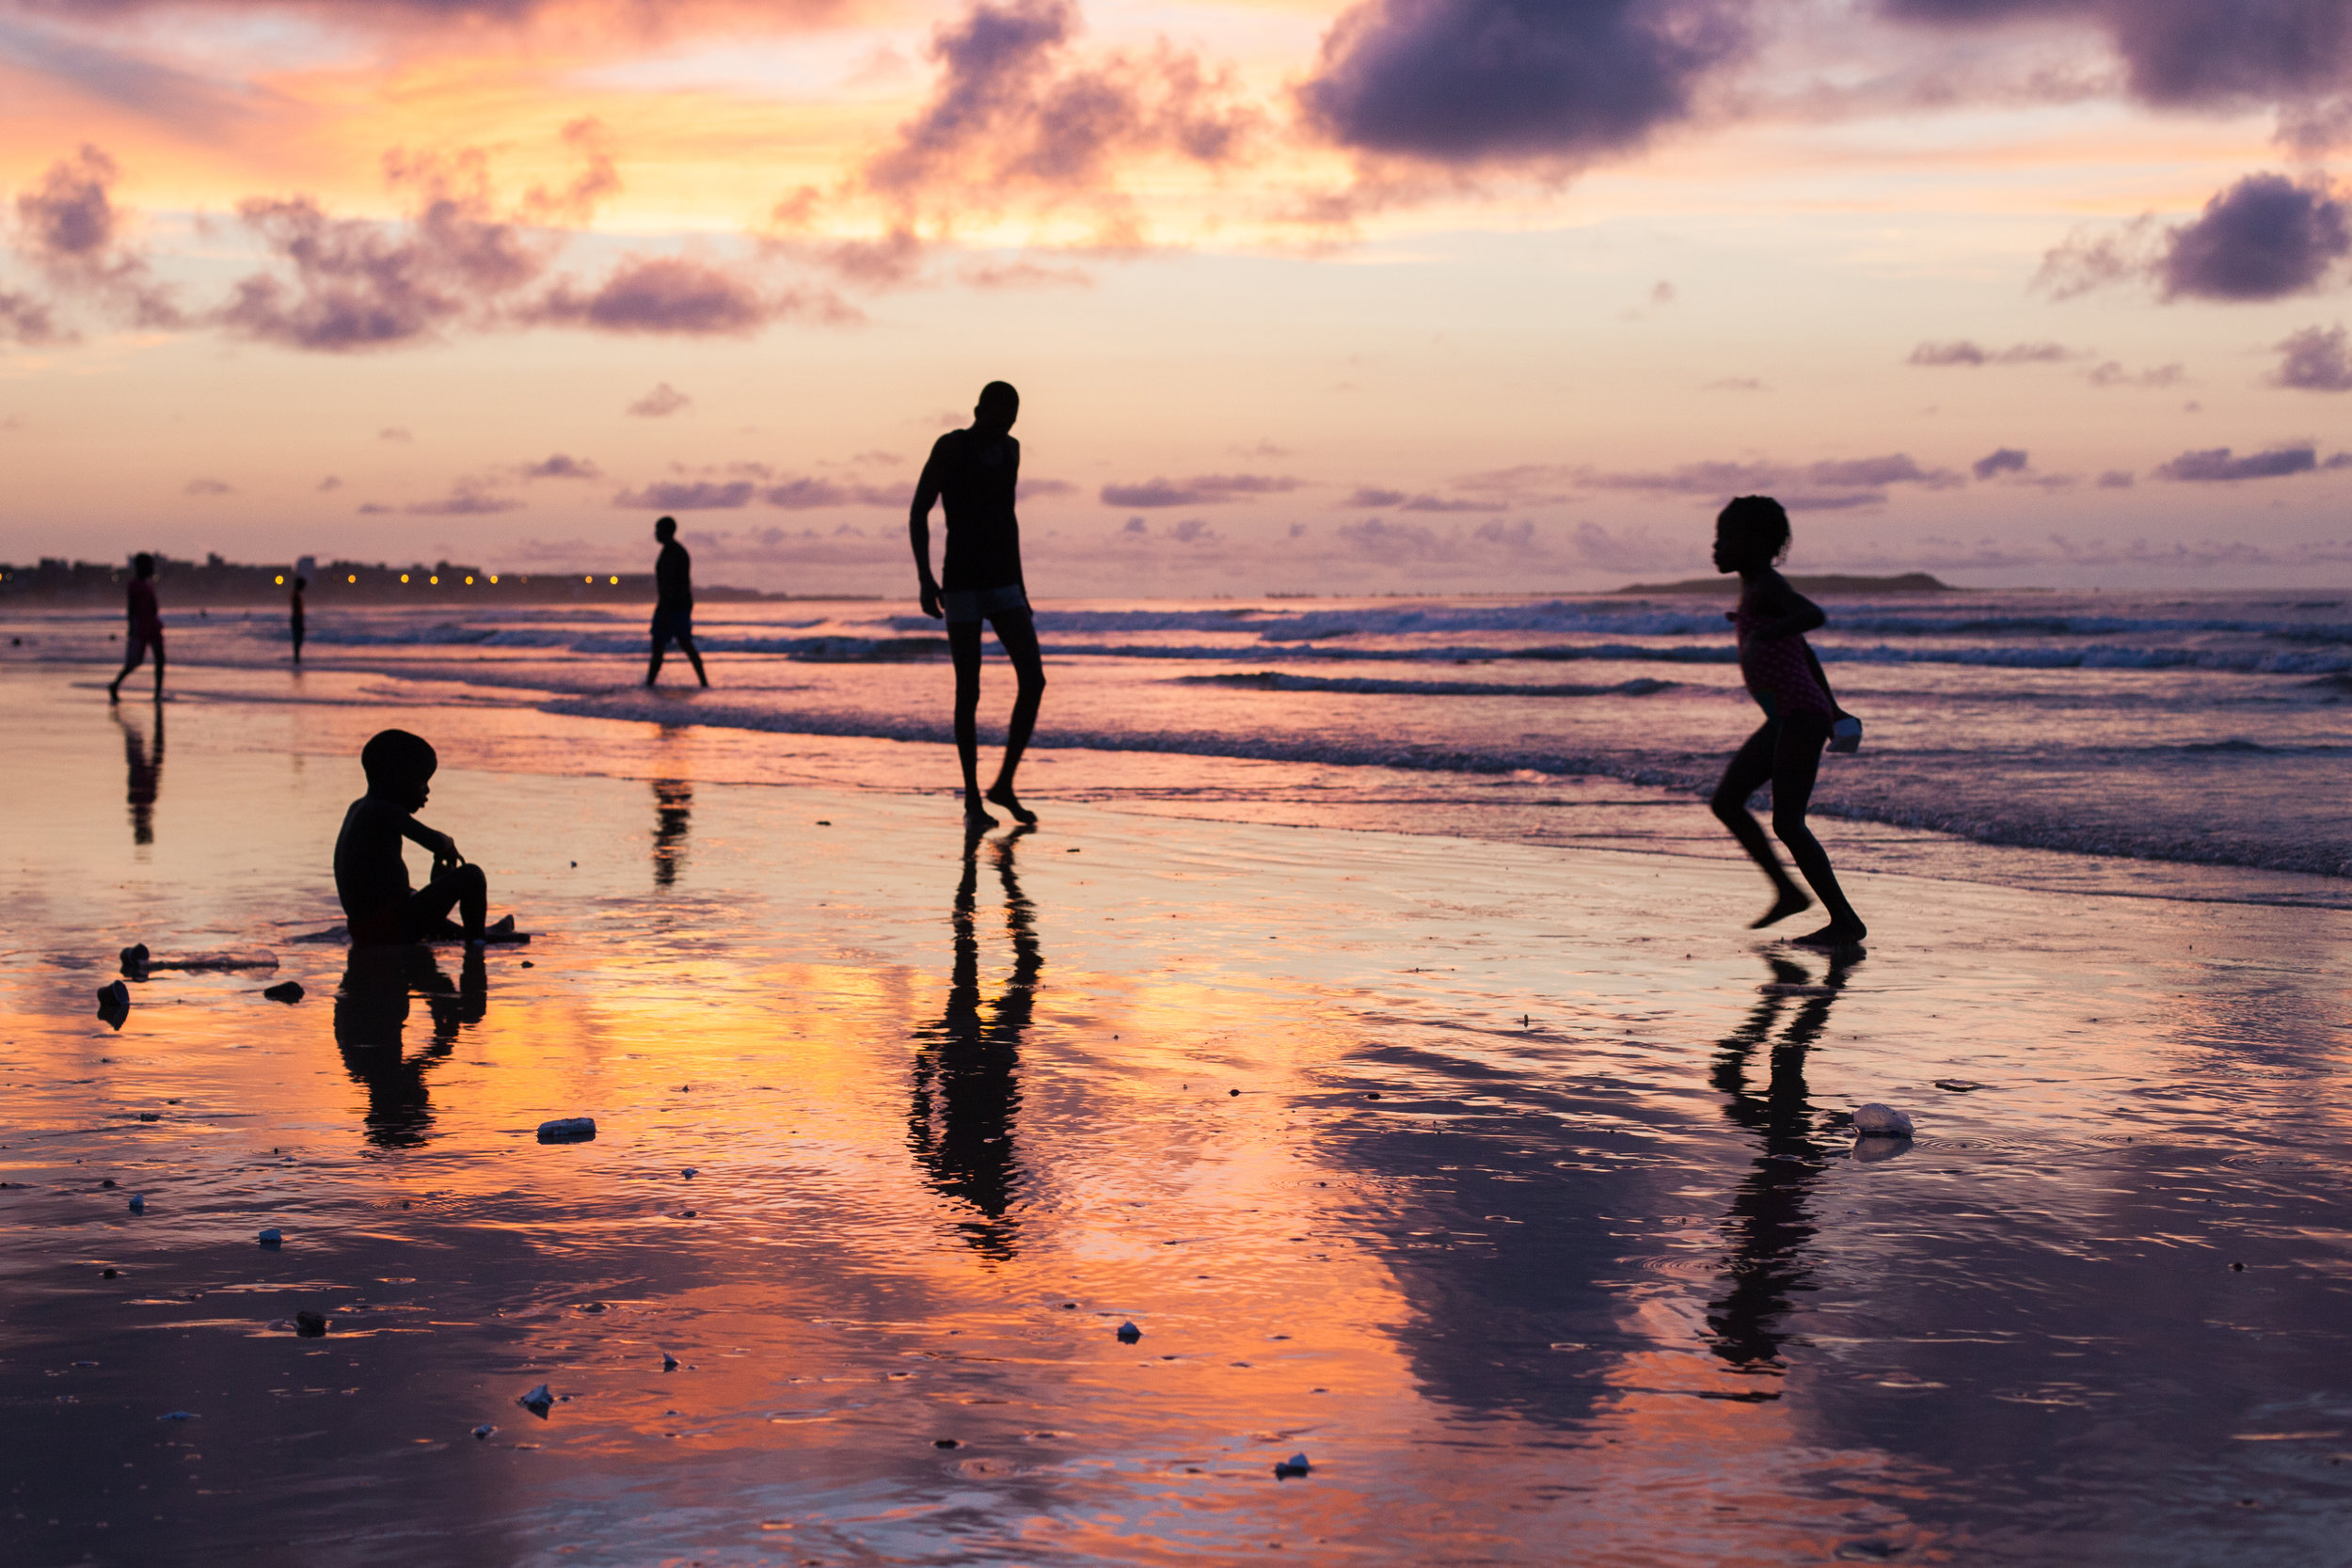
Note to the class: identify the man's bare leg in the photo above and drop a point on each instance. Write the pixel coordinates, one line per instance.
(963, 645)
(694, 657)
(1018, 633)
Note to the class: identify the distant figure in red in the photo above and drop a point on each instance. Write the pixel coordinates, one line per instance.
(146, 632)
(293, 610)
(1786, 680)
(976, 472)
(673, 602)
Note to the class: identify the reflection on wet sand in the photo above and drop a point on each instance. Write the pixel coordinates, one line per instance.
(372, 1015)
(673, 813)
(1770, 1223)
(144, 770)
(968, 1092)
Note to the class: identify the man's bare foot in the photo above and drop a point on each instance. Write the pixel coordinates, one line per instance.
(1002, 795)
(114, 694)
(1834, 934)
(975, 817)
(1790, 902)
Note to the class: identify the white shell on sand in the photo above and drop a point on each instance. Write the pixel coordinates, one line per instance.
(1875, 1121)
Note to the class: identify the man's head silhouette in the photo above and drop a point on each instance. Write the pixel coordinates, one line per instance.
(999, 405)
(666, 529)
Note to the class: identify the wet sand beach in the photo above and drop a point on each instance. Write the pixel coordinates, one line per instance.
(1481, 1173)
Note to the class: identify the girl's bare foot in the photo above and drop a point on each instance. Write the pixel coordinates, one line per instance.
(975, 817)
(1002, 795)
(1790, 902)
(1834, 934)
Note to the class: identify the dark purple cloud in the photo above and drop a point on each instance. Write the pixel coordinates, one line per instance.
(562, 466)
(207, 487)
(668, 295)
(1012, 109)
(659, 404)
(2264, 238)
(69, 228)
(1962, 351)
(2000, 460)
(2191, 53)
(803, 495)
(1373, 496)
(1893, 468)
(27, 320)
(2116, 479)
(2314, 360)
(2110, 373)
(466, 498)
(1475, 81)
(2219, 466)
(1199, 490)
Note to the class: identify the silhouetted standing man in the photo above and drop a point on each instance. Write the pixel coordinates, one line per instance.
(975, 471)
(145, 631)
(674, 601)
(293, 615)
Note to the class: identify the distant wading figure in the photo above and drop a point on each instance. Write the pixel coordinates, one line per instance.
(1786, 680)
(673, 602)
(293, 615)
(975, 473)
(146, 633)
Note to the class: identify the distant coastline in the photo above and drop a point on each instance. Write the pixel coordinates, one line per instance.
(1907, 583)
(217, 581)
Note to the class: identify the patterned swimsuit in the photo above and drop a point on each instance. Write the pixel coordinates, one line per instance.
(1779, 674)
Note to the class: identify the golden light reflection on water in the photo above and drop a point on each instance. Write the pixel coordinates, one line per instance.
(1600, 1265)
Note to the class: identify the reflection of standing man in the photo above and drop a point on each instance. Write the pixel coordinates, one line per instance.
(975, 473)
(673, 602)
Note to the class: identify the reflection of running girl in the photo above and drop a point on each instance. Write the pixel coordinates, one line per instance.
(146, 633)
(1786, 680)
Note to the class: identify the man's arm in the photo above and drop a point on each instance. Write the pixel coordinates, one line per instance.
(919, 535)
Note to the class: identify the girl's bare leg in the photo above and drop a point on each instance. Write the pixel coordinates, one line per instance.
(1796, 760)
(1749, 767)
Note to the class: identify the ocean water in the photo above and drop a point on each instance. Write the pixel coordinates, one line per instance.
(2160, 729)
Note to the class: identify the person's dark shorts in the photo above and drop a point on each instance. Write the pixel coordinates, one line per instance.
(137, 643)
(971, 606)
(673, 625)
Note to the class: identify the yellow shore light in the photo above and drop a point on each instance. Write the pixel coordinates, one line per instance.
(352, 577)
(469, 582)
(494, 577)
(587, 580)
(282, 580)
(616, 582)
(404, 577)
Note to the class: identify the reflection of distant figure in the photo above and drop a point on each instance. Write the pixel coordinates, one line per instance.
(1786, 680)
(144, 771)
(1770, 1223)
(672, 807)
(967, 1094)
(293, 615)
(371, 1012)
(673, 602)
(146, 632)
(976, 472)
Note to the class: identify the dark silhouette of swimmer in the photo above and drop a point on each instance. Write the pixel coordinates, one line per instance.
(1771, 1224)
(975, 473)
(293, 615)
(672, 806)
(967, 1089)
(1786, 680)
(371, 878)
(371, 1016)
(146, 633)
(143, 770)
(673, 602)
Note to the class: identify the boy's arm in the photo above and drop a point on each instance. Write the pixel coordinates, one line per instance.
(440, 844)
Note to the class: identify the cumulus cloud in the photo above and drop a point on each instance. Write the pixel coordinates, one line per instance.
(2116, 479)
(1828, 484)
(466, 498)
(700, 495)
(1561, 82)
(1372, 496)
(2264, 237)
(2000, 460)
(1960, 351)
(2314, 360)
(2110, 373)
(27, 320)
(680, 295)
(1015, 110)
(789, 494)
(1199, 490)
(2220, 465)
(659, 404)
(69, 228)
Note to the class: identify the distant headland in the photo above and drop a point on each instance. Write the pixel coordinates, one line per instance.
(216, 582)
(1909, 582)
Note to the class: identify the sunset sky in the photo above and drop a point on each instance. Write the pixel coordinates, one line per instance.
(1446, 295)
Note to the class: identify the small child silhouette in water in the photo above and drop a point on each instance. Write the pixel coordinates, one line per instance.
(371, 878)
(1786, 680)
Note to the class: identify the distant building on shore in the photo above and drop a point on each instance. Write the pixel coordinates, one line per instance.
(217, 581)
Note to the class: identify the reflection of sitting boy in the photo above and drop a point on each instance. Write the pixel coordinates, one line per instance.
(371, 877)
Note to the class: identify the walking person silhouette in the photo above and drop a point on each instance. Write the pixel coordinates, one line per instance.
(293, 615)
(975, 473)
(146, 632)
(1786, 680)
(673, 602)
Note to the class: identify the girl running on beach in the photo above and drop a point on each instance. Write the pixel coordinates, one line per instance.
(1785, 678)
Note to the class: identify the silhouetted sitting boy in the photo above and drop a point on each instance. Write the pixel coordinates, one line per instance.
(371, 877)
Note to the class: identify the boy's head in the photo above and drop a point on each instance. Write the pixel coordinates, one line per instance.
(399, 765)
(999, 405)
(666, 529)
(1752, 531)
(143, 565)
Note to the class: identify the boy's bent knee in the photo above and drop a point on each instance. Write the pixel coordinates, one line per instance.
(470, 876)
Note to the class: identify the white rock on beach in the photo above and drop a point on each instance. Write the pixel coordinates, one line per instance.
(1875, 1121)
